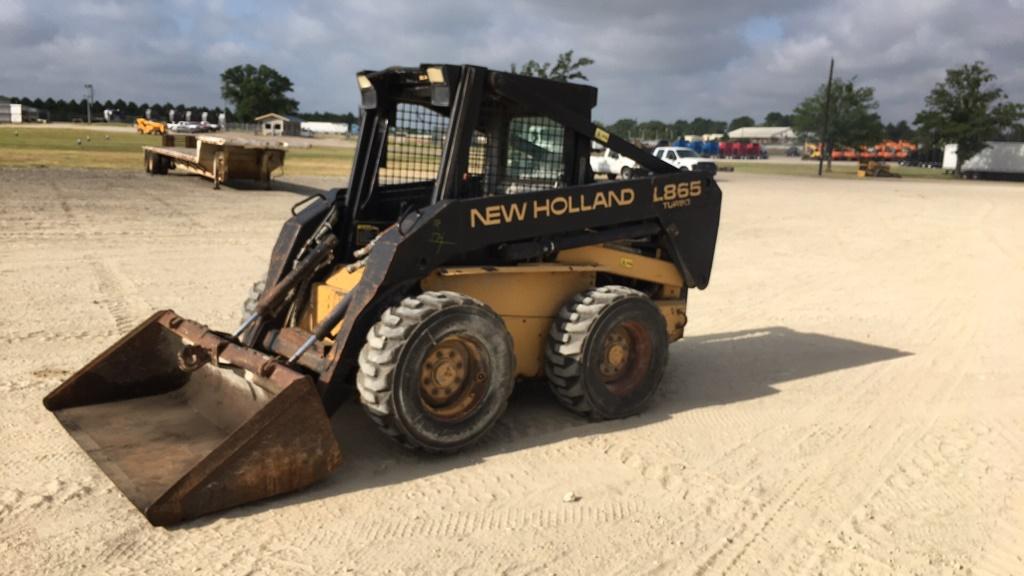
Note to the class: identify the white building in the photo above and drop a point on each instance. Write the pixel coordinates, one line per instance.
(17, 113)
(764, 134)
(325, 127)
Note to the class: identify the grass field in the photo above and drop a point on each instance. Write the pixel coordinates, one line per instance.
(121, 150)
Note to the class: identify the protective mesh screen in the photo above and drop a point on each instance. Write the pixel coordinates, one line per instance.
(532, 158)
(414, 145)
(535, 156)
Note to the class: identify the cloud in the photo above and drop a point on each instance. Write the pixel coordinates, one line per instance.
(655, 59)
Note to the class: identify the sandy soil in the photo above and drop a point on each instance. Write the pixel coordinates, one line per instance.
(848, 400)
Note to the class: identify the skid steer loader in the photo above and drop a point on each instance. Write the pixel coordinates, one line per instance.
(472, 248)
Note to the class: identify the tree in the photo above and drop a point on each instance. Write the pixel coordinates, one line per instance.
(257, 90)
(852, 119)
(741, 122)
(653, 130)
(900, 131)
(778, 119)
(680, 128)
(347, 117)
(967, 109)
(564, 68)
(707, 126)
(623, 127)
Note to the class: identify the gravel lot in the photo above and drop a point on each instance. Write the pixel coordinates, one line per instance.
(848, 399)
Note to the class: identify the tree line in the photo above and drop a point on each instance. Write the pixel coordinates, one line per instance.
(75, 110)
(967, 108)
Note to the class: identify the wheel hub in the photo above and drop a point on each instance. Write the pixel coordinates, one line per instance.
(625, 357)
(452, 377)
(617, 351)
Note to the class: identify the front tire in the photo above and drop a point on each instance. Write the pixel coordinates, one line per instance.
(626, 173)
(606, 352)
(436, 371)
(249, 306)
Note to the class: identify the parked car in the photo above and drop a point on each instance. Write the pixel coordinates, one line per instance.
(685, 159)
(192, 127)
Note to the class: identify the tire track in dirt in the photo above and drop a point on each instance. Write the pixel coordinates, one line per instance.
(896, 494)
(119, 296)
(1003, 553)
(469, 522)
(15, 502)
(846, 430)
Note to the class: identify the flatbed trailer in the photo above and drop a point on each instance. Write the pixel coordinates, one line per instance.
(217, 158)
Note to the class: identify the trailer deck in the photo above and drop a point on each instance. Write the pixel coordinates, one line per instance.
(217, 158)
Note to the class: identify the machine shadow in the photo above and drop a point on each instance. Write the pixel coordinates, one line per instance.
(702, 371)
(276, 185)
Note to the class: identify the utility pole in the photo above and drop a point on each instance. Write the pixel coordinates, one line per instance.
(828, 110)
(88, 105)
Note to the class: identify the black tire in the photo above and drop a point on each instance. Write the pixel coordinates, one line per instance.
(469, 382)
(626, 172)
(586, 373)
(249, 306)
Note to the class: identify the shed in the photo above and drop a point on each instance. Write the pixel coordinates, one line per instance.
(278, 125)
(17, 113)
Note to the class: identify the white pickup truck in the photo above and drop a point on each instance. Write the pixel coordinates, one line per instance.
(685, 159)
(612, 164)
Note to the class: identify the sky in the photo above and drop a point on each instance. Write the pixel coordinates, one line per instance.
(655, 59)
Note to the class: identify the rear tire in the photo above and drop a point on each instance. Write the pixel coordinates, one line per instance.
(436, 371)
(606, 352)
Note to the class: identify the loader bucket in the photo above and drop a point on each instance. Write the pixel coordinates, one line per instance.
(186, 422)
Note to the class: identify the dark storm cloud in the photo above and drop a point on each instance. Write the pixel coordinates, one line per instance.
(657, 59)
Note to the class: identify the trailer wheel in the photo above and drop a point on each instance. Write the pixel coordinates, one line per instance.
(436, 371)
(157, 164)
(606, 352)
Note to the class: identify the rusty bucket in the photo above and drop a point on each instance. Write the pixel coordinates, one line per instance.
(186, 422)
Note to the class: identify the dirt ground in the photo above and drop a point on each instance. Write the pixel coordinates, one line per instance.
(848, 399)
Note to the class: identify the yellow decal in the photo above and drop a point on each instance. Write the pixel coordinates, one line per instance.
(549, 207)
(626, 262)
(601, 135)
(677, 195)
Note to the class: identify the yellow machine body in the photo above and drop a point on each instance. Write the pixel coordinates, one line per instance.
(529, 296)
